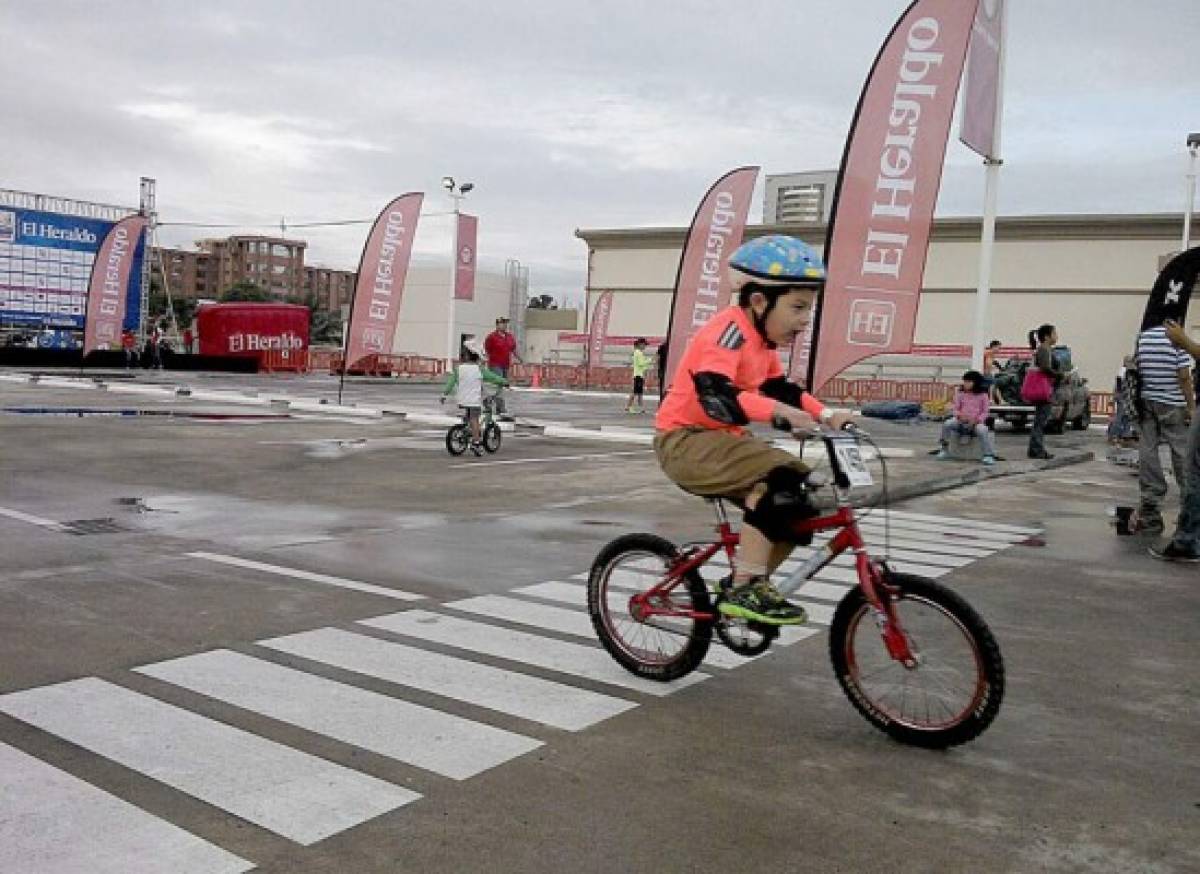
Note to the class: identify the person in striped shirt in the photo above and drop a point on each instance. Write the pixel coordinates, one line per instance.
(1168, 404)
(1185, 545)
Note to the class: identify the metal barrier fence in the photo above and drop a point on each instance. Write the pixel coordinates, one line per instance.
(864, 390)
(577, 376)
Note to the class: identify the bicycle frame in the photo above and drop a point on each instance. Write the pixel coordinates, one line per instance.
(656, 600)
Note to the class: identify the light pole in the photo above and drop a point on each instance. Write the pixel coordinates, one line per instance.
(1193, 144)
(457, 192)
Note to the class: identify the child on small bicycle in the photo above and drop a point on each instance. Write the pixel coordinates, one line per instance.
(466, 381)
(729, 376)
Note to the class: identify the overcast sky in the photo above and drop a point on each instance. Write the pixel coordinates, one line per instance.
(564, 113)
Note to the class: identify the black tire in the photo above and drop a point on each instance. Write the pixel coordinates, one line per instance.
(457, 439)
(491, 437)
(664, 648)
(1084, 420)
(854, 638)
(1019, 425)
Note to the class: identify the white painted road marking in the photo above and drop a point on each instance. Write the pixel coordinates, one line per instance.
(307, 575)
(591, 663)
(32, 520)
(448, 745)
(532, 698)
(54, 823)
(956, 522)
(283, 790)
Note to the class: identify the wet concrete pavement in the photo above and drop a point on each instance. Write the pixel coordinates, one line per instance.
(1091, 765)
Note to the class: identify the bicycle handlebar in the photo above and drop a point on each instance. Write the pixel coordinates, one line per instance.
(820, 429)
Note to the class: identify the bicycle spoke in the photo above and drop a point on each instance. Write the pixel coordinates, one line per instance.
(943, 686)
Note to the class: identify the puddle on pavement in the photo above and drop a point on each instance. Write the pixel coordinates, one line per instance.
(261, 524)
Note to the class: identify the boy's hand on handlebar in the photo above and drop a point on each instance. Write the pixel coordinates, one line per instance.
(840, 419)
(796, 420)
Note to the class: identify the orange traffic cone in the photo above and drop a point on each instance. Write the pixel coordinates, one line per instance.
(537, 378)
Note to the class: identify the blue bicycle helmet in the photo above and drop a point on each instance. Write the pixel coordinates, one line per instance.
(776, 261)
(772, 265)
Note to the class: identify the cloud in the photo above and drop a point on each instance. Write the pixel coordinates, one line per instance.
(564, 114)
(278, 141)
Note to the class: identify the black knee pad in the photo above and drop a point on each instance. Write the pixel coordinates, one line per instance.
(785, 502)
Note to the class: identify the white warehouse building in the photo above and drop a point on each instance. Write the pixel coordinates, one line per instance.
(1089, 275)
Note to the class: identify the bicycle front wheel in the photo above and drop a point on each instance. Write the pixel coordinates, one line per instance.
(953, 692)
(491, 437)
(658, 646)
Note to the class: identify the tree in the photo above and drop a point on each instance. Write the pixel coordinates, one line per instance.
(245, 290)
(324, 326)
(542, 302)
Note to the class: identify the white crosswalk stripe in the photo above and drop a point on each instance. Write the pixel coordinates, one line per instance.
(588, 662)
(532, 698)
(54, 823)
(436, 741)
(560, 619)
(283, 790)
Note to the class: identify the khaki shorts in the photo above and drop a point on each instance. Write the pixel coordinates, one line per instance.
(719, 464)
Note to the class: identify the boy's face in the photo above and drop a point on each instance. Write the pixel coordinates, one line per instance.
(790, 316)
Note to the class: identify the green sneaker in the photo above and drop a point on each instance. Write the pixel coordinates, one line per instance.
(759, 601)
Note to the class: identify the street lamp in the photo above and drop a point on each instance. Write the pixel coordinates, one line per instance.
(456, 192)
(1193, 144)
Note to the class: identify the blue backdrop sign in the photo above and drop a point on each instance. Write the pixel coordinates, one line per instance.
(45, 261)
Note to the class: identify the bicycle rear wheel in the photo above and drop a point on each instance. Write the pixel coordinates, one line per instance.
(952, 694)
(457, 439)
(658, 647)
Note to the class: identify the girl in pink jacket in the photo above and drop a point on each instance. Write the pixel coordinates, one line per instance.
(971, 407)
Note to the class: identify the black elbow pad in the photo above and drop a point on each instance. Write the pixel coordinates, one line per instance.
(718, 396)
(779, 389)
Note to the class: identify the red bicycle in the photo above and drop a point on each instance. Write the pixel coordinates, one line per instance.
(912, 656)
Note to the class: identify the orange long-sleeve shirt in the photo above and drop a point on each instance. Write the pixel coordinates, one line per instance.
(730, 345)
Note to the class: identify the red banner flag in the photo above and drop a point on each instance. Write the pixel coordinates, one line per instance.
(381, 273)
(109, 284)
(702, 286)
(981, 86)
(887, 188)
(599, 330)
(464, 266)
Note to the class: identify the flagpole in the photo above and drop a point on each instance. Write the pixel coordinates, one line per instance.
(991, 184)
(1193, 144)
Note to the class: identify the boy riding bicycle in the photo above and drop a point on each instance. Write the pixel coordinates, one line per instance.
(731, 375)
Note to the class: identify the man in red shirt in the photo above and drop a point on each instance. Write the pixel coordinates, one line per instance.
(731, 375)
(128, 343)
(501, 348)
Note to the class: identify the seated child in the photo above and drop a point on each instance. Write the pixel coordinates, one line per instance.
(971, 408)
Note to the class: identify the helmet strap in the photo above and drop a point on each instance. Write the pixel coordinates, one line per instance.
(760, 321)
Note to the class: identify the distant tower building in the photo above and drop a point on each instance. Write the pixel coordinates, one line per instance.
(795, 198)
